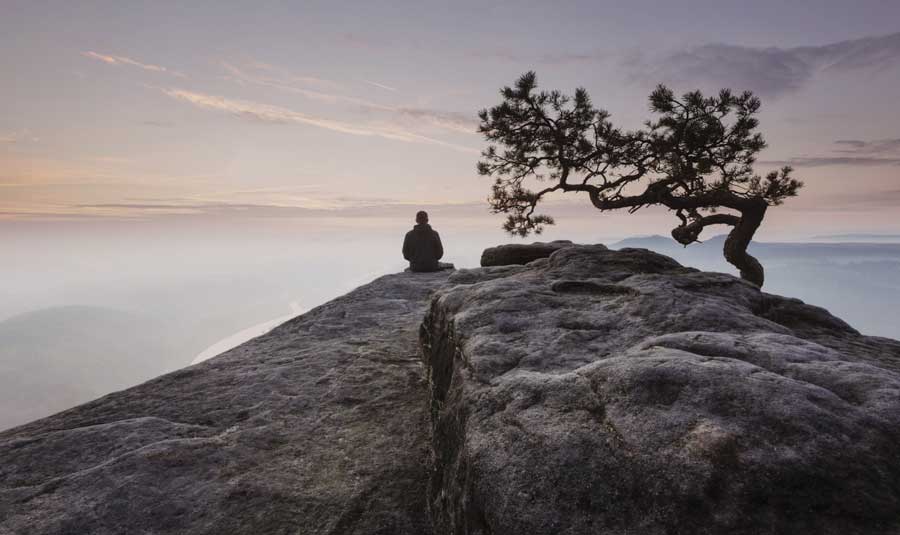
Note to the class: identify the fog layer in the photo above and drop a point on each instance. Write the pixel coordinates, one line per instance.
(86, 309)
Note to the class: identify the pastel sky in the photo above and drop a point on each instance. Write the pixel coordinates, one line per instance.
(114, 110)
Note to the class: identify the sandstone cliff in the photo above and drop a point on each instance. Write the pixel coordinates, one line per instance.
(318, 427)
(617, 392)
(592, 392)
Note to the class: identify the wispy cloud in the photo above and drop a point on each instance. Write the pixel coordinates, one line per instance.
(454, 121)
(553, 58)
(275, 114)
(769, 71)
(297, 85)
(861, 200)
(344, 207)
(449, 120)
(870, 205)
(382, 86)
(159, 124)
(876, 146)
(823, 161)
(263, 74)
(122, 60)
(858, 152)
(17, 137)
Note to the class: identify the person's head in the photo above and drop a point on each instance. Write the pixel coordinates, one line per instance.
(421, 217)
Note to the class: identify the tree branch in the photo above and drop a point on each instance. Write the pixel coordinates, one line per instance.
(686, 234)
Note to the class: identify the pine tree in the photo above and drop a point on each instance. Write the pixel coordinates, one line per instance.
(696, 158)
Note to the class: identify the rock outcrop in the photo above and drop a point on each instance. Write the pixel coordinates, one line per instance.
(520, 253)
(621, 393)
(591, 391)
(318, 427)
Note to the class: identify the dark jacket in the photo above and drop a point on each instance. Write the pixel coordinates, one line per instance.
(422, 247)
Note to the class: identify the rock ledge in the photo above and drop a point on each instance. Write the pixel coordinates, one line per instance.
(617, 392)
(318, 427)
(588, 391)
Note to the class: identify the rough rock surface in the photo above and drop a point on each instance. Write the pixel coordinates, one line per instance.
(617, 392)
(520, 253)
(319, 427)
(593, 391)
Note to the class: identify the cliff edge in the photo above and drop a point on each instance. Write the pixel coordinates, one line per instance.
(591, 391)
(319, 427)
(617, 392)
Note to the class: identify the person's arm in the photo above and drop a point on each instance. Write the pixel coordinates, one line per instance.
(407, 247)
(439, 247)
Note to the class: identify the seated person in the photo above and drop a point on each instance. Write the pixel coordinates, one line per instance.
(422, 246)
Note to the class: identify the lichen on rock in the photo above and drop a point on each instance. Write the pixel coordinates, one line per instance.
(318, 427)
(619, 392)
(588, 391)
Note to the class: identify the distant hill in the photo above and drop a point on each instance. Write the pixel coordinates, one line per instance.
(771, 250)
(859, 237)
(55, 358)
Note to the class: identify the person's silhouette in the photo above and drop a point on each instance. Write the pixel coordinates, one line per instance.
(422, 246)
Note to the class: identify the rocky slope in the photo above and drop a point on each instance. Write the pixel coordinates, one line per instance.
(617, 392)
(593, 391)
(318, 427)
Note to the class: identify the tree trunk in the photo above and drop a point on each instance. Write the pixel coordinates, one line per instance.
(739, 239)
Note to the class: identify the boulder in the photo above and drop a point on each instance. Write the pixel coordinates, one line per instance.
(318, 427)
(520, 253)
(618, 392)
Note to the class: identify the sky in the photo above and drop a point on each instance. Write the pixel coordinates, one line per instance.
(117, 112)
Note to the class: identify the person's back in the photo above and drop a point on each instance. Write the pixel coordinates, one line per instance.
(422, 246)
